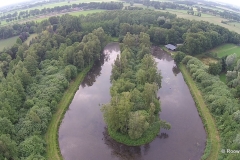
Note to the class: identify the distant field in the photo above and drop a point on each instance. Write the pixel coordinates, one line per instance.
(225, 8)
(213, 8)
(235, 24)
(77, 13)
(86, 12)
(7, 42)
(52, 5)
(205, 17)
(226, 49)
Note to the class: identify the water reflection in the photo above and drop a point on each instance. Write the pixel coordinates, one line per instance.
(95, 72)
(175, 70)
(83, 136)
(160, 54)
(122, 151)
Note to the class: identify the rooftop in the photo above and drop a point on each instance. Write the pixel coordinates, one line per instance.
(170, 46)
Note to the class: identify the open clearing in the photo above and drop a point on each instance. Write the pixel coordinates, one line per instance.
(6, 43)
(226, 49)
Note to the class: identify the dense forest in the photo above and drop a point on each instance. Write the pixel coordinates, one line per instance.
(132, 116)
(33, 78)
(32, 83)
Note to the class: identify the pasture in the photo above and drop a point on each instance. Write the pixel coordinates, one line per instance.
(6, 43)
(226, 49)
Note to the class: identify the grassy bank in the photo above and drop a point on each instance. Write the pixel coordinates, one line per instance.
(213, 142)
(53, 151)
(148, 136)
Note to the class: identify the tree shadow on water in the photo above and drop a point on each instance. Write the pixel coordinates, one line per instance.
(175, 70)
(122, 151)
(95, 71)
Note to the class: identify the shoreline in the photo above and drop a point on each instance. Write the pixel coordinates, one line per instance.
(51, 136)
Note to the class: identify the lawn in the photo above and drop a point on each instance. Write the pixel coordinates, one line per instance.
(6, 43)
(226, 49)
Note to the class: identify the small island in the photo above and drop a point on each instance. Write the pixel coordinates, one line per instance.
(132, 116)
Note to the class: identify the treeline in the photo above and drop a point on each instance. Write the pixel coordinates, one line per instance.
(224, 14)
(34, 12)
(132, 116)
(158, 5)
(221, 102)
(32, 83)
(233, 76)
(163, 28)
(17, 29)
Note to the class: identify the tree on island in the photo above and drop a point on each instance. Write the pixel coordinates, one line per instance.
(132, 116)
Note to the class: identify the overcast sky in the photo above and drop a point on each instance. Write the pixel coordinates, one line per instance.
(7, 2)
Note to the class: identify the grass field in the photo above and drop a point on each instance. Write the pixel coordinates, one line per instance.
(205, 17)
(226, 49)
(30, 38)
(53, 152)
(6, 43)
(213, 137)
(208, 60)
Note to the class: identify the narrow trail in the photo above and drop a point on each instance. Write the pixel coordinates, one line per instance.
(53, 151)
(213, 134)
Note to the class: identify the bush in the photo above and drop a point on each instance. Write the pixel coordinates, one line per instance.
(179, 57)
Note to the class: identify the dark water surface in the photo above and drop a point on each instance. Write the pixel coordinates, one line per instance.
(83, 136)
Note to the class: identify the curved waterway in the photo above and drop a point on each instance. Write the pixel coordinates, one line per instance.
(83, 136)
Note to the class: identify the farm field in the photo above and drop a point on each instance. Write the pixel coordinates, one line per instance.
(9, 42)
(205, 17)
(226, 49)
(5, 43)
(235, 24)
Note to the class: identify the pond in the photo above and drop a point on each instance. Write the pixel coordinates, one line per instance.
(83, 136)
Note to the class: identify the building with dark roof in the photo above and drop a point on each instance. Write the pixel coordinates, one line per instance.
(170, 47)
